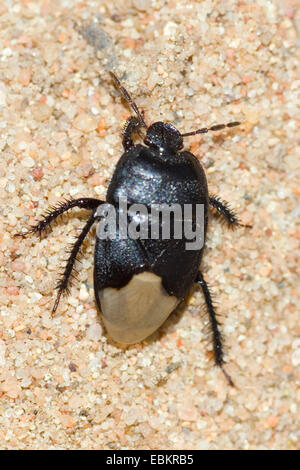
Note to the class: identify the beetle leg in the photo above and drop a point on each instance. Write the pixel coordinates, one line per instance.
(217, 337)
(224, 210)
(62, 285)
(132, 126)
(54, 212)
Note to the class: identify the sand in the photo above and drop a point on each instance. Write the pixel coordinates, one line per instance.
(63, 383)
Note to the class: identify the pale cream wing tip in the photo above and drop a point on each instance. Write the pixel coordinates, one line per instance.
(135, 311)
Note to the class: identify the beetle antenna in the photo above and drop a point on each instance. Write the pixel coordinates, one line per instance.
(128, 98)
(218, 127)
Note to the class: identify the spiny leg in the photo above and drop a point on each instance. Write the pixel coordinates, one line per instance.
(217, 127)
(224, 210)
(217, 337)
(132, 126)
(54, 212)
(62, 285)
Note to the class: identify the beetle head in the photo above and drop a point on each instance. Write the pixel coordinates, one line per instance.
(164, 135)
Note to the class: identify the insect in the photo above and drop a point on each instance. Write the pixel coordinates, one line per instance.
(138, 283)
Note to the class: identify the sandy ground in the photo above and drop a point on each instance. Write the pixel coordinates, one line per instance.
(63, 383)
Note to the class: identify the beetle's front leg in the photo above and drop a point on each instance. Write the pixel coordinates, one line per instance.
(132, 126)
(54, 212)
(224, 210)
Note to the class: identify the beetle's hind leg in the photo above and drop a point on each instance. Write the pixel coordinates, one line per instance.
(62, 285)
(54, 212)
(217, 337)
(50, 216)
(224, 211)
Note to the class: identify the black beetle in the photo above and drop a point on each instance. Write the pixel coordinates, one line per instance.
(139, 282)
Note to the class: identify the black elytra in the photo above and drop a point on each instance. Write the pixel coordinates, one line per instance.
(139, 282)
